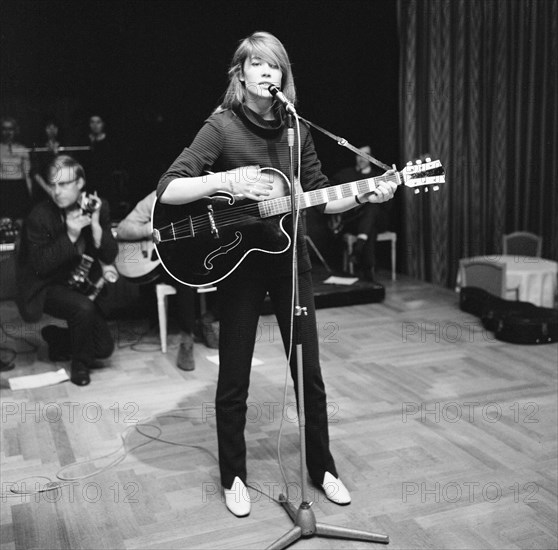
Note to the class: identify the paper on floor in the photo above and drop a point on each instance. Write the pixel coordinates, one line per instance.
(334, 280)
(38, 380)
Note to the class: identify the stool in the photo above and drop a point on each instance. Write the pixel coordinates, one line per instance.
(350, 240)
(163, 290)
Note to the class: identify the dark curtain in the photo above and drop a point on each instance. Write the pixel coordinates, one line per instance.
(478, 90)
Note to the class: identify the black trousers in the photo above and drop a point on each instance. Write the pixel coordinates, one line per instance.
(369, 219)
(240, 302)
(90, 337)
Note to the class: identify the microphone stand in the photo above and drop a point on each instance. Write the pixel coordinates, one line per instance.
(305, 524)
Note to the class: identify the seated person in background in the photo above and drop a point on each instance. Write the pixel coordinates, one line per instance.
(41, 160)
(366, 222)
(57, 236)
(137, 226)
(15, 179)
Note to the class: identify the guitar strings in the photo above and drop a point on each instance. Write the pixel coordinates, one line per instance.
(186, 231)
(222, 214)
(217, 214)
(228, 215)
(362, 186)
(183, 228)
(314, 194)
(202, 220)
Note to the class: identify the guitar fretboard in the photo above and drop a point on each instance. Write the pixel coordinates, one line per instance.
(324, 195)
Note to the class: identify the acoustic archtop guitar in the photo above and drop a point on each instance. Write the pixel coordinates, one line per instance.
(202, 242)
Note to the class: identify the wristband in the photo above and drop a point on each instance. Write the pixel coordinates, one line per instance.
(357, 201)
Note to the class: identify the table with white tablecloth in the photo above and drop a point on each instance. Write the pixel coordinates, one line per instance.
(534, 278)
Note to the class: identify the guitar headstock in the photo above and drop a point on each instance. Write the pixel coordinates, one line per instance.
(423, 174)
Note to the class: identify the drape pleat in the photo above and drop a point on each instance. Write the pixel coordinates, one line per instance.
(478, 90)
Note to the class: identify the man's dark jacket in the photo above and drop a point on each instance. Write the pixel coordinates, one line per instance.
(47, 256)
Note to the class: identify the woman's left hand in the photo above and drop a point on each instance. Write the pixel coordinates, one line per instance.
(384, 190)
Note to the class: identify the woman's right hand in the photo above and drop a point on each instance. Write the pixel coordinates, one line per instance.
(249, 181)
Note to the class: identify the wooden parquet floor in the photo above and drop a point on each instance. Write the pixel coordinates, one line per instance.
(445, 437)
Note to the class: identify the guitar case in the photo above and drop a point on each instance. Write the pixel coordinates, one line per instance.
(481, 303)
(473, 299)
(510, 320)
(538, 327)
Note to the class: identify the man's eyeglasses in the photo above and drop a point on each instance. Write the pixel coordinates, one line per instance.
(60, 183)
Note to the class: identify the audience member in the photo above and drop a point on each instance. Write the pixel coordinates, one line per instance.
(15, 179)
(51, 132)
(58, 237)
(41, 160)
(366, 222)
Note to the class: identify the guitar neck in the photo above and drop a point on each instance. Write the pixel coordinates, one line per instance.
(324, 195)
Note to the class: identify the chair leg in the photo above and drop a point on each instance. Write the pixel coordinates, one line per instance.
(348, 266)
(162, 311)
(393, 260)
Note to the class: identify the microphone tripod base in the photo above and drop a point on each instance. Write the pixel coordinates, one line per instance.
(305, 526)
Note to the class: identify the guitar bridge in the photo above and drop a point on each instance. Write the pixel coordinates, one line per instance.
(212, 224)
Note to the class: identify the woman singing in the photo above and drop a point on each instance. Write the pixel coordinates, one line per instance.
(248, 131)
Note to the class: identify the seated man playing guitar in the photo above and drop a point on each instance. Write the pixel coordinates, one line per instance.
(64, 242)
(136, 226)
(365, 222)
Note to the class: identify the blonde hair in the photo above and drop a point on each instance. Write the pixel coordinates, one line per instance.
(268, 48)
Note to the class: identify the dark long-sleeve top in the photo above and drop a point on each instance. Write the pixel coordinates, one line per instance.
(47, 256)
(239, 137)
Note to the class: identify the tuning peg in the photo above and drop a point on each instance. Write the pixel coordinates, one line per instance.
(419, 161)
(426, 189)
(409, 163)
(436, 188)
(427, 159)
(417, 191)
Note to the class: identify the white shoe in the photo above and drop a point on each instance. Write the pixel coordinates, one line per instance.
(335, 490)
(237, 498)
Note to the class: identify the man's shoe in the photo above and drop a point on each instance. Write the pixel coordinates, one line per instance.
(185, 357)
(79, 373)
(375, 285)
(58, 340)
(335, 490)
(237, 498)
(369, 277)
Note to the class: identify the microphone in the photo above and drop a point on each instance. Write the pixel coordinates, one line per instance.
(282, 98)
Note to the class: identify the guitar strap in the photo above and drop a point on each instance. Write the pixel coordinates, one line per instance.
(345, 143)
